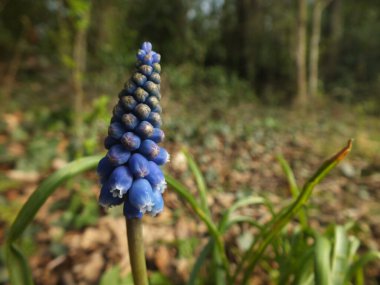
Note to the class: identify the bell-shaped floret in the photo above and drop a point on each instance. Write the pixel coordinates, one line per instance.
(120, 181)
(104, 169)
(140, 195)
(118, 154)
(155, 177)
(138, 165)
(158, 203)
(106, 197)
(131, 211)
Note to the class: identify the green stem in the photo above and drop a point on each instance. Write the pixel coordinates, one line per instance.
(136, 251)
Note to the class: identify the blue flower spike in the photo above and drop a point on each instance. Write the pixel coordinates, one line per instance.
(130, 173)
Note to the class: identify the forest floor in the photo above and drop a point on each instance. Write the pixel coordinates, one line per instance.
(72, 240)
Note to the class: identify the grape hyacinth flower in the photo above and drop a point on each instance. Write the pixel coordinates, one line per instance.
(130, 173)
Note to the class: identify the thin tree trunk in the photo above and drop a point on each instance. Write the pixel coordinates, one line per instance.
(336, 31)
(319, 6)
(301, 98)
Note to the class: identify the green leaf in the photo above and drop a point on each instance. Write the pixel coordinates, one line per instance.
(253, 255)
(322, 275)
(340, 256)
(199, 179)
(16, 263)
(19, 271)
(184, 193)
(38, 198)
(360, 263)
(199, 262)
(293, 187)
(243, 202)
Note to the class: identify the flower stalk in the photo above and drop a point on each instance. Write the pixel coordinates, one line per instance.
(136, 251)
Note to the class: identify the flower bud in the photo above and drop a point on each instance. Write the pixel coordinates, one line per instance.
(155, 119)
(118, 111)
(157, 109)
(144, 129)
(109, 142)
(155, 77)
(139, 78)
(158, 135)
(138, 165)
(147, 47)
(130, 86)
(120, 181)
(116, 130)
(156, 57)
(140, 195)
(149, 149)
(151, 88)
(130, 141)
(152, 101)
(157, 67)
(128, 102)
(162, 157)
(146, 69)
(118, 155)
(140, 54)
(141, 95)
(130, 121)
(142, 111)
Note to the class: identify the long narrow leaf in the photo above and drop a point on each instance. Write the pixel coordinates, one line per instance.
(253, 254)
(199, 262)
(243, 202)
(340, 256)
(361, 262)
(293, 188)
(183, 192)
(16, 262)
(18, 268)
(201, 184)
(322, 275)
(38, 198)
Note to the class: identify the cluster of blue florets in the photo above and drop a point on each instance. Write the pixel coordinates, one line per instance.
(130, 173)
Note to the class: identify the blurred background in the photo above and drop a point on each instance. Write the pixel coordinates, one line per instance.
(243, 81)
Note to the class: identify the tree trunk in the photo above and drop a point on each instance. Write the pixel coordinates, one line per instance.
(301, 98)
(336, 31)
(319, 6)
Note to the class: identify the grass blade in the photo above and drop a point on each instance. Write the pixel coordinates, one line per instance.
(252, 256)
(322, 275)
